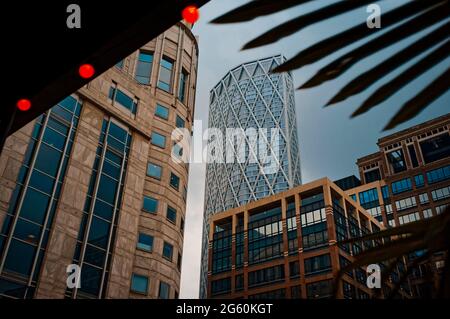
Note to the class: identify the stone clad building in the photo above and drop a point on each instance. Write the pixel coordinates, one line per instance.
(92, 182)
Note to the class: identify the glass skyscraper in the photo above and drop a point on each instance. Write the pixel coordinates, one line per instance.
(251, 98)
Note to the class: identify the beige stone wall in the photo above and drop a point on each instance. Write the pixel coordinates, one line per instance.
(11, 160)
(66, 225)
(180, 45)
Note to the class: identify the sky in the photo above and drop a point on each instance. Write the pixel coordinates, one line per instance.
(330, 142)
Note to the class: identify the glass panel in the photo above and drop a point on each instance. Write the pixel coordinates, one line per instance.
(20, 258)
(99, 232)
(27, 231)
(145, 242)
(48, 159)
(162, 112)
(150, 204)
(55, 139)
(180, 122)
(154, 170)
(168, 251)
(90, 279)
(42, 182)
(94, 256)
(164, 290)
(144, 68)
(103, 209)
(158, 140)
(171, 214)
(107, 189)
(139, 284)
(34, 206)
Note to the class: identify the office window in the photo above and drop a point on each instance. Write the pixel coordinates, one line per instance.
(397, 161)
(353, 196)
(144, 67)
(440, 193)
(171, 214)
(179, 122)
(406, 203)
(437, 175)
(294, 269)
(349, 290)
(164, 290)
(154, 170)
(385, 192)
(296, 292)
(182, 226)
(177, 150)
(424, 198)
(317, 265)
(427, 213)
(162, 112)
(344, 262)
(150, 205)
(168, 251)
(183, 85)
(239, 282)
(436, 148)
(419, 180)
(139, 284)
(291, 224)
(413, 155)
(372, 176)
(174, 181)
(158, 140)
(221, 249)
(319, 290)
(408, 218)
(363, 295)
(314, 224)
(120, 97)
(369, 199)
(145, 242)
(266, 276)
(274, 294)
(179, 259)
(185, 190)
(265, 235)
(221, 286)
(165, 74)
(441, 209)
(120, 64)
(401, 186)
(96, 233)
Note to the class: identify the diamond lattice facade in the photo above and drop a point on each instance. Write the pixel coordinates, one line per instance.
(250, 97)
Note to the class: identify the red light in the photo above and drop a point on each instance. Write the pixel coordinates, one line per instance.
(191, 14)
(86, 71)
(24, 105)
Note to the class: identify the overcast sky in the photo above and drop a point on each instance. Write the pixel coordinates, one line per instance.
(330, 142)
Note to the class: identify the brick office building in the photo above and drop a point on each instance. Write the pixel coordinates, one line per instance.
(91, 182)
(408, 179)
(284, 246)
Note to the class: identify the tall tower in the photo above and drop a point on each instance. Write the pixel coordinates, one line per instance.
(92, 183)
(250, 97)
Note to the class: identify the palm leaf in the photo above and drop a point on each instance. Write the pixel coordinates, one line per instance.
(368, 78)
(407, 20)
(429, 235)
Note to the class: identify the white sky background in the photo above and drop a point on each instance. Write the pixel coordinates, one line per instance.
(330, 142)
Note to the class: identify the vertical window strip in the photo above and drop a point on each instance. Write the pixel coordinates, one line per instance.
(90, 250)
(55, 131)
